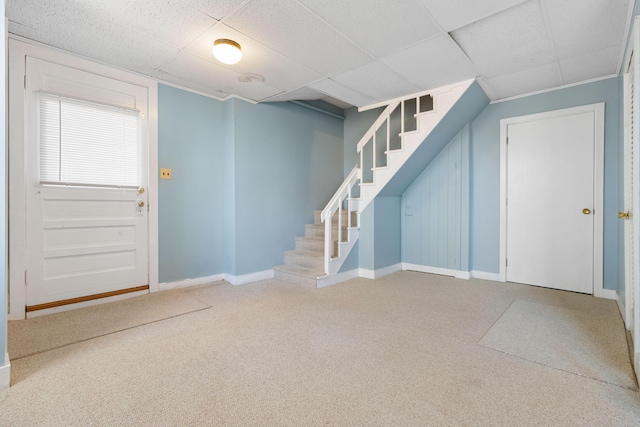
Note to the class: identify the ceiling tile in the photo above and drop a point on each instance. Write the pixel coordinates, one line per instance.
(193, 72)
(153, 18)
(291, 29)
(216, 9)
(84, 35)
(336, 90)
(382, 26)
(453, 14)
(301, 94)
(508, 42)
(527, 81)
(338, 103)
(581, 26)
(591, 65)
(377, 81)
(257, 60)
(432, 63)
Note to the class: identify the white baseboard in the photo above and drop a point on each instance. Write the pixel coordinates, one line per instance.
(249, 278)
(605, 293)
(622, 309)
(636, 365)
(338, 278)
(197, 281)
(381, 272)
(485, 276)
(436, 270)
(5, 373)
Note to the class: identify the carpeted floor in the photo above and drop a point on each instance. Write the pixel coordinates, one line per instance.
(407, 349)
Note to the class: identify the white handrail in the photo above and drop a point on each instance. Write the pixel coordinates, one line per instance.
(344, 192)
(335, 204)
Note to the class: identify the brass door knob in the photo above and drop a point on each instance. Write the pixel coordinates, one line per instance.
(140, 190)
(586, 211)
(140, 203)
(625, 215)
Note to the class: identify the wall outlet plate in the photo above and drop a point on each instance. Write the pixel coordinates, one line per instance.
(165, 173)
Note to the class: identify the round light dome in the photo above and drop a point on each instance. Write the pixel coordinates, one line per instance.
(227, 51)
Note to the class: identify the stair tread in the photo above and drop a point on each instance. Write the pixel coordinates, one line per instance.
(319, 239)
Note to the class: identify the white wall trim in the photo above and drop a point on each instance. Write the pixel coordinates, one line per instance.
(333, 279)
(598, 247)
(436, 270)
(17, 215)
(250, 278)
(5, 373)
(381, 272)
(553, 89)
(621, 308)
(187, 283)
(608, 294)
(495, 277)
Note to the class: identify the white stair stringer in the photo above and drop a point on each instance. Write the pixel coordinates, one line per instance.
(443, 100)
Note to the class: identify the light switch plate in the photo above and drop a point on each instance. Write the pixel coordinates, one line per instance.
(165, 173)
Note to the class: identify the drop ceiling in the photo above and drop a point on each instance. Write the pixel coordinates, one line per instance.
(356, 52)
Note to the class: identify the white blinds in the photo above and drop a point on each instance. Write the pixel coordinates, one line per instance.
(87, 143)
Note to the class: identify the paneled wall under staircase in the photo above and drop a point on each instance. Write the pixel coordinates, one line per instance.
(435, 212)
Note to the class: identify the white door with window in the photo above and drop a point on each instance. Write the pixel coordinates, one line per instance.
(86, 180)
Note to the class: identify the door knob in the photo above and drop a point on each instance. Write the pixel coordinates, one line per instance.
(140, 190)
(140, 203)
(625, 215)
(586, 211)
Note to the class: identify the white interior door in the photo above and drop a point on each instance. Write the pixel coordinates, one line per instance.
(550, 202)
(86, 220)
(626, 214)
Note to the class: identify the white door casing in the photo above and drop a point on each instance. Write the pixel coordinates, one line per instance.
(549, 183)
(22, 171)
(596, 111)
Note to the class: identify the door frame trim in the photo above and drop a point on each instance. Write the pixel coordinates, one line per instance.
(18, 50)
(598, 235)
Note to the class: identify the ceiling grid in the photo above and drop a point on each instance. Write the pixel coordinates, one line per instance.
(354, 53)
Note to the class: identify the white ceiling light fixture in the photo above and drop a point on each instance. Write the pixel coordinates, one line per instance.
(227, 51)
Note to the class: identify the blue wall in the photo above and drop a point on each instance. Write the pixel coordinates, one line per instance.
(246, 178)
(191, 142)
(379, 245)
(288, 163)
(485, 169)
(435, 221)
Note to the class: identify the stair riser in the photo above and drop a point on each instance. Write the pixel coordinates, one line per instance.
(314, 262)
(311, 245)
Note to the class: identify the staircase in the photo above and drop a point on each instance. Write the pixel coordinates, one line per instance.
(410, 131)
(305, 264)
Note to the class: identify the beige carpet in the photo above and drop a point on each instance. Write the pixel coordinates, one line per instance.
(593, 345)
(44, 333)
(398, 351)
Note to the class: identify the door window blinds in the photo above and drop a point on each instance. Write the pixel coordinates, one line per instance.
(87, 143)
